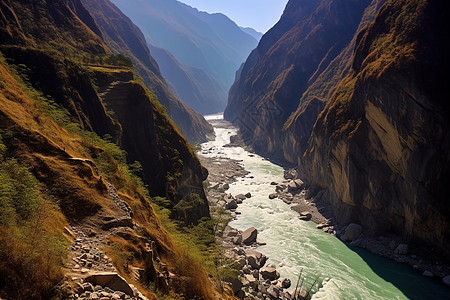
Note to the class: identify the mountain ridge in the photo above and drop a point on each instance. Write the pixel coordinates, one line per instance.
(213, 43)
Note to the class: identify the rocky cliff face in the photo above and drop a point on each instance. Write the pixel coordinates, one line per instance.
(386, 128)
(61, 88)
(308, 37)
(123, 37)
(353, 94)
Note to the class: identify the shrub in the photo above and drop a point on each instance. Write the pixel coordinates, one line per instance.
(31, 248)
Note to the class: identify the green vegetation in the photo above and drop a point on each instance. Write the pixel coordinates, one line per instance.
(198, 241)
(32, 249)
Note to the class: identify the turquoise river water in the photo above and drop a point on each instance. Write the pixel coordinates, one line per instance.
(292, 244)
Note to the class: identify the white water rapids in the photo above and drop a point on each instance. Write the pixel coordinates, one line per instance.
(292, 244)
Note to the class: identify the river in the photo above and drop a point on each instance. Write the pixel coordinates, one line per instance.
(294, 245)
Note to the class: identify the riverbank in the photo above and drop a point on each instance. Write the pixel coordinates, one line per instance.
(295, 245)
(258, 280)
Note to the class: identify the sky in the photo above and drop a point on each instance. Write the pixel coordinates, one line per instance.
(260, 15)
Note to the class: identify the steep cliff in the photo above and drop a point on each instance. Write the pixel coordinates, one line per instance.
(123, 37)
(353, 94)
(61, 88)
(308, 37)
(211, 42)
(380, 148)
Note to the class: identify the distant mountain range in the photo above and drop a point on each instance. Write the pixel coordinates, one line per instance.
(209, 48)
(256, 34)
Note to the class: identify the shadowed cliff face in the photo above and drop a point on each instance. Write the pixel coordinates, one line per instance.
(122, 36)
(354, 94)
(150, 138)
(381, 146)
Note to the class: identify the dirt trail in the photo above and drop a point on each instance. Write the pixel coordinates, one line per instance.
(88, 257)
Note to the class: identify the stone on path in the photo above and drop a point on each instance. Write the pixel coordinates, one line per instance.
(112, 280)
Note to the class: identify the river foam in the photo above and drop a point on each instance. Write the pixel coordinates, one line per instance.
(295, 245)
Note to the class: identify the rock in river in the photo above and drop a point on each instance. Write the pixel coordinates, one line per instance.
(255, 259)
(269, 272)
(249, 236)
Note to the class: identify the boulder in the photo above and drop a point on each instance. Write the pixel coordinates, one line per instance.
(231, 204)
(226, 186)
(255, 259)
(446, 280)
(273, 183)
(269, 273)
(273, 292)
(305, 215)
(235, 284)
(290, 174)
(241, 262)
(352, 232)
(112, 280)
(428, 274)
(233, 139)
(249, 236)
(292, 187)
(252, 281)
(401, 249)
(240, 197)
(237, 240)
(286, 283)
(280, 188)
(273, 196)
(299, 183)
(248, 195)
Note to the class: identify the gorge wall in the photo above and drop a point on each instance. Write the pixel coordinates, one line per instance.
(353, 93)
(75, 119)
(124, 37)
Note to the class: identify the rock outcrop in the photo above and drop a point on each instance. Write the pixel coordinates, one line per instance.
(61, 88)
(352, 93)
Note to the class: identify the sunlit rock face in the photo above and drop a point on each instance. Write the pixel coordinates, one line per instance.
(354, 94)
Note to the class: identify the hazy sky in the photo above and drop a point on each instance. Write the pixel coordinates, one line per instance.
(258, 14)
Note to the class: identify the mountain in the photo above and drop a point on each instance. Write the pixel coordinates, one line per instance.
(124, 37)
(256, 34)
(91, 165)
(191, 84)
(211, 42)
(352, 92)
